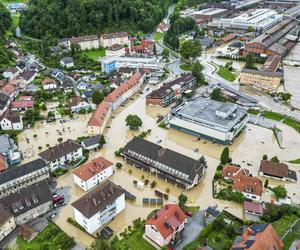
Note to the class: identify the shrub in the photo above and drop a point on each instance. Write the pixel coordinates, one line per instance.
(130, 171)
(265, 157)
(225, 156)
(119, 165)
(168, 190)
(280, 192)
(275, 159)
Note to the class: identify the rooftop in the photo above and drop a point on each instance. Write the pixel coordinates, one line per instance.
(94, 140)
(248, 184)
(254, 207)
(263, 72)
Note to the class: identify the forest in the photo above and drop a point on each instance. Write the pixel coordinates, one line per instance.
(63, 18)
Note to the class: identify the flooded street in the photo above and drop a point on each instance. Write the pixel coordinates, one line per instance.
(247, 150)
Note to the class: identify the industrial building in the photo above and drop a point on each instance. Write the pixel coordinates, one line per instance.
(212, 120)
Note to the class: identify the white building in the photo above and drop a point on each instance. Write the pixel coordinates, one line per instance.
(7, 222)
(93, 173)
(11, 121)
(212, 120)
(67, 62)
(77, 104)
(107, 40)
(11, 73)
(115, 50)
(84, 42)
(62, 154)
(165, 225)
(49, 84)
(259, 20)
(100, 206)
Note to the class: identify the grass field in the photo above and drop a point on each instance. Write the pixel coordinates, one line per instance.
(283, 224)
(158, 36)
(94, 54)
(186, 66)
(15, 20)
(292, 123)
(253, 111)
(273, 115)
(291, 236)
(296, 161)
(226, 74)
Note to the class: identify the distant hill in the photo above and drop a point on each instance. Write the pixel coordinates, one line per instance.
(66, 18)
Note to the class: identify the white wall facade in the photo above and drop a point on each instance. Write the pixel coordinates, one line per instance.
(7, 227)
(8, 125)
(86, 45)
(49, 86)
(63, 160)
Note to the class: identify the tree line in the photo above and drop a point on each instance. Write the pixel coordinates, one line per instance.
(61, 18)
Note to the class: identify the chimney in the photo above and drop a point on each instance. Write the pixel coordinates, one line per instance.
(94, 202)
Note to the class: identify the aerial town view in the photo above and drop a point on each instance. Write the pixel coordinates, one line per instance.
(143, 125)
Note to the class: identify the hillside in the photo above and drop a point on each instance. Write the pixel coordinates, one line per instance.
(61, 18)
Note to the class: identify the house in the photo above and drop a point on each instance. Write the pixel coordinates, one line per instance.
(230, 172)
(11, 121)
(210, 214)
(85, 42)
(62, 154)
(206, 42)
(91, 142)
(28, 76)
(58, 75)
(16, 178)
(21, 105)
(163, 228)
(49, 84)
(77, 103)
(253, 211)
(10, 90)
(115, 50)
(163, 27)
(107, 40)
(67, 85)
(278, 171)
(82, 85)
(11, 73)
(9, 149)
(162, 97)
(99, 206)
(177, 168)
(250, 187)
(93, 173)
(27, 232)
(30, 202)
(7, 222)
(3, 164)
(67, 62)
(4, 102)
(258, 237)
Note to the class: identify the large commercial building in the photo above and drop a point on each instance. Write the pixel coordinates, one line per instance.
(212, 120)
(177, 168)
(205, 14)
(259, 20)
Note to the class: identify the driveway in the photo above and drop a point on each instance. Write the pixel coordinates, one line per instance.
(191, 230)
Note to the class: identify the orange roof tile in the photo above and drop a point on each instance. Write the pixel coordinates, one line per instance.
(8, 89)
(3, 163)
(100, 114)
(92, 168)
(48, 81)
(248, 184)
(231, 172)
(167, 219)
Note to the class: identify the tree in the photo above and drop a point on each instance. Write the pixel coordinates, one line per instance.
(190, 49)
(133, 122)
(225, 156)
(216, 95)
(197, 73)
(266, 183)
(101, 244)
(97, 97)
(280, 192)
(50, 114)
(165, 53)
(119, 165)
(250, 29)
(5, 19)
(275, 159)
(250, 62)
(182, 199)
(102, 140)
(265, 157)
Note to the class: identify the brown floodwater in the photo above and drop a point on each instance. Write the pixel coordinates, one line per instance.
(247, 150)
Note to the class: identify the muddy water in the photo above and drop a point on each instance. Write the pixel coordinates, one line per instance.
(292, 85)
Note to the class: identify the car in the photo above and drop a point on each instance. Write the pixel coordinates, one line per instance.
(58, 199)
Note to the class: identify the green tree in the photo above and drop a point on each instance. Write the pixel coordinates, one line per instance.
(182, 199)
(225, 156)
(197, 72)
(5, 19)
(265, 157)
(266, 183)
(275, 159)
(97, 97)
(101, 244)
(250, 29)
(190, 49)
(165, 53)
(102, 140)
(216, 95)
(133, 122)
(250, 62)
(280, 192)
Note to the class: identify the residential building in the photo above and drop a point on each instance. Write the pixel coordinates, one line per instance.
(253, 210)
(177, 168)
(164, 227)
(107, 40)
(91, 142)
(211, 213)
(16, 178)
(11, 73)
(212, 120)
(230, 172)
(115, 50)
(261, 79)
(21, 105)
(251, 187)
(7, 222)
(67, 62)
(84, 42)
(99, 206)
(259, 20)
(163, 27)
(77, 103)
(92, 173)
(4, 102)
(257, 237)
(49, 84)
(10, 90)
(3, 163)
(11, 121)
(278, 171)
(28, 76)
(9, 149)
(29, 202)
(27, 232)
(15, 7)
(62, 154)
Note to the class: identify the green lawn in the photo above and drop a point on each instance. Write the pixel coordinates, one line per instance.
(292, 123)
(226, 74)
(291, 236)
(158, 36)
(51, 238)
(253, 111)
(296, 161)
(283, 224)
(94, 54)
(186, 66)
(273, 115)
(15, 20)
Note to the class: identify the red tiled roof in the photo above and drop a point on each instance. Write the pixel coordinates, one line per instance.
(100, 114)
(167, 219)
(92, 168)
(3, 163)
(228, 38)
(22, 104)
(48, 81)
(253, 207)
(262, 238)
(248, 184)
(8, 89)
(26, 98)
(274, 168)
(233, 171)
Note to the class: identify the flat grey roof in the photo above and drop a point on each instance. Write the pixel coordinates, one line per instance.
(204, 111)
